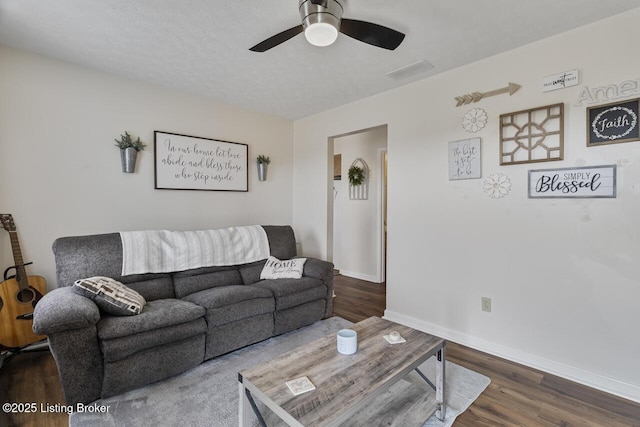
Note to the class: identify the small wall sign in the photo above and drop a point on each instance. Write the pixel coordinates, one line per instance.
(581, 182)
(613, 123)
(560, 81)
(464, 159)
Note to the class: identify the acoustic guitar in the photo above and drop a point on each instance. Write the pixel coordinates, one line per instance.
(19, 295)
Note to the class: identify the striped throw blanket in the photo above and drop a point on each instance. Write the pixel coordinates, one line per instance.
(161, 251)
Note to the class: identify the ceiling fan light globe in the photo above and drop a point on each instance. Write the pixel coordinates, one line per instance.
(321, 34)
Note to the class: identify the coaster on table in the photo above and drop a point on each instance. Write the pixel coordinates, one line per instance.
(300, 385)
(391, 341)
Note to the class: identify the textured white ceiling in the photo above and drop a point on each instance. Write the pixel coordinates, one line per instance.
(202, 46)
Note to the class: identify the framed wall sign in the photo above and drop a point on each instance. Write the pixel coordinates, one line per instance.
(582, 182)
(464, 159)
(613, 123)
(185, 162)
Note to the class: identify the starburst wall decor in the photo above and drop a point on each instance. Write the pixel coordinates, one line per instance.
(474, 120)
(497, 186)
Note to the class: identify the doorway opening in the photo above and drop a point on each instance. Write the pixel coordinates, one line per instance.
(356, 229)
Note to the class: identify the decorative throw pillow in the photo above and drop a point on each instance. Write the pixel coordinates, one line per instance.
(288, 269)
(110, 295)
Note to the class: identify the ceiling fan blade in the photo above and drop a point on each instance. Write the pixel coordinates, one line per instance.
(277, 39)
(373, 34)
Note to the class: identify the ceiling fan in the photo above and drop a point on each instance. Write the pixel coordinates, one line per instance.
(321, 22)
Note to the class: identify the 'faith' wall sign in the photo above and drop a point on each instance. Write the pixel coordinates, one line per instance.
(613, 123)
(583, 182)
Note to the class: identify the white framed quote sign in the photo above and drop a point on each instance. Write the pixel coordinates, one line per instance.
(581, 182)
(464, 159)
(185, 162)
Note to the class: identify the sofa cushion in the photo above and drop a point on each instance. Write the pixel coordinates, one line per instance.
(226, 304)
(150, 286)
(285, 269)
(251, 272)
(110, 295)
(101, 255)
(291, 292)
(189, 284)
(282, 241)
(122, 347)
(157, 314)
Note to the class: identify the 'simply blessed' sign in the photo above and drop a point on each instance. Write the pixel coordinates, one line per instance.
(585, 182)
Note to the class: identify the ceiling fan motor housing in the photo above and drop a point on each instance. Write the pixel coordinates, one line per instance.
(320, 11)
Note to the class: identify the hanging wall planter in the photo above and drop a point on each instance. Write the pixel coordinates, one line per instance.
(263, 165)
(128, 158)
(359, 180)
(129, 151)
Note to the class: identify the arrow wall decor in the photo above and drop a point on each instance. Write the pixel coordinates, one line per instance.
(477, 96)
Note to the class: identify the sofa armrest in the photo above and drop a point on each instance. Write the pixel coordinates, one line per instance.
(62, 310)
(322, 270)
(69, 320)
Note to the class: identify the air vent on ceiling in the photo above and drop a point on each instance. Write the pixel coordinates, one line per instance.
(410, 70)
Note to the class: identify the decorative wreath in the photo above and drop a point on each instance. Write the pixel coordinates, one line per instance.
(356, 176)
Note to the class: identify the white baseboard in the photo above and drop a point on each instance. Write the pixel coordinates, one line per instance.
(360, 276)
(590, 379)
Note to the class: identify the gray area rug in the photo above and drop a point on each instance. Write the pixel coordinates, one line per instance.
(208, 394)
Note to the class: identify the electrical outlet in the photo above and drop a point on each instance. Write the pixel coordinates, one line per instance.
(486, 304)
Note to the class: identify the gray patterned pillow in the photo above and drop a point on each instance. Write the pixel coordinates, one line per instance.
(110, 295)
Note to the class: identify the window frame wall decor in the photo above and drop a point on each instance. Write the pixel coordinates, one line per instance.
(598, 114)
(547, 133)
(184, 162)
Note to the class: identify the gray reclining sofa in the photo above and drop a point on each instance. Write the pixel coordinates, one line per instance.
(190, 316)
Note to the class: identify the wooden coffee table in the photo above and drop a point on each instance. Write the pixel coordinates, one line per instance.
(364, 388)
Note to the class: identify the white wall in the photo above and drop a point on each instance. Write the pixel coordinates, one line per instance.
(356, 243)
(564, 275)
(60, 172)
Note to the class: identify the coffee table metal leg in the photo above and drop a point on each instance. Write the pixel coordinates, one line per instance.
(245, 402)
(245, 405)
(440, 372)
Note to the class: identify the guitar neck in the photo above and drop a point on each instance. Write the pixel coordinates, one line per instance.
(21, 273)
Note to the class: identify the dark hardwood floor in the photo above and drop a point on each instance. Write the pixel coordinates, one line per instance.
(517, 395)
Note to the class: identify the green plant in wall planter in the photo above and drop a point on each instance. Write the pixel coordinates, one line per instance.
(263, 163)
(129, 151)
(356, 176)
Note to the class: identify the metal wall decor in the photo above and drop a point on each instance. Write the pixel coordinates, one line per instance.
(530, 136)
(360, 192)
